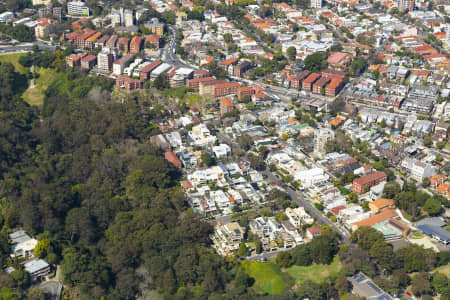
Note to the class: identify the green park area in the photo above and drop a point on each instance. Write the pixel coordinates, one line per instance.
(14, 59)
(271, 279)
(268, 276)
(315, 272)
(34, 95)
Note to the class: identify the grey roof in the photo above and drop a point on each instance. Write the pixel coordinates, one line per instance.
(35, 265)
(19, 237)
(433, 227)
(431, 222)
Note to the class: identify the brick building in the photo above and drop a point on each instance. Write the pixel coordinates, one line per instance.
(334, 87)
(241, 68)
(297, 79)
(320, 84)
(123, 44)
(135, 45)
(226, 106)
(74, 60)
(144, 74)
(153, 39)
(195, 82)
(226, 89)
(245, 91)
(364, 183)
(88, 62)
(130, 84)
(309, 81)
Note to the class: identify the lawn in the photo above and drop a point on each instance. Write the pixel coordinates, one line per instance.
(316, 273)
(447, 227)
(268, 276)
(34, 95)
(14, 59)
(443, 269)
(417, 235)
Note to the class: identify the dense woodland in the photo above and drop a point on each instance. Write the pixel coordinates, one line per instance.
(82, 175)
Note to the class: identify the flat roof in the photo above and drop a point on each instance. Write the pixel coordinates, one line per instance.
(35, 265)
(184, 71)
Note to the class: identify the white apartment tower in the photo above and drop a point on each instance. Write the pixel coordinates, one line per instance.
(128, 18)
(104, 61)
(321, 137)
(316, 3)
(77, 8)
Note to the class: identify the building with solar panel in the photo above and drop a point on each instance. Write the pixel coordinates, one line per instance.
(363, 286)
(433, 228)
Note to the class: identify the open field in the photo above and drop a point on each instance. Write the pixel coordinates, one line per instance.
(270, 279)
(14, 59)
(34, 95)
(268, 276)
(316, 273)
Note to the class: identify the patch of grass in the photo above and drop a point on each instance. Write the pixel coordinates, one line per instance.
(268, 276)
(443, 269)
(447, 227)
(417, 235)
(316, 273)
(34, 95)
(14, 59)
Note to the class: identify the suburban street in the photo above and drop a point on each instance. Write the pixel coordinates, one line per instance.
(25, 47)
(295, 195)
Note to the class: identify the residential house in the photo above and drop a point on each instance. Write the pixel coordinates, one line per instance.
(313, 231)
(381, 204)
(227, 238)
(22, 245)
(37, 268)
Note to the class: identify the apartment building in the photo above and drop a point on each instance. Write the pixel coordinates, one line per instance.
(320, 84)
(123, 44)
(226, 106)
(135, 45)
(119, 65)
(88, 62)
(155, 26)
(77, 8)
(363, 184)
(309, 81)
(226, 89)
(321, 137)
(129, 84)
(334, 87)
(195, 83)
(418, 169)
(104, 62)
(144, 74)
(227, 238)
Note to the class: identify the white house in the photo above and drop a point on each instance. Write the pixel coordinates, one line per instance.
(22, 245)
(298, 216)
(311, 177)
(223, 150)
